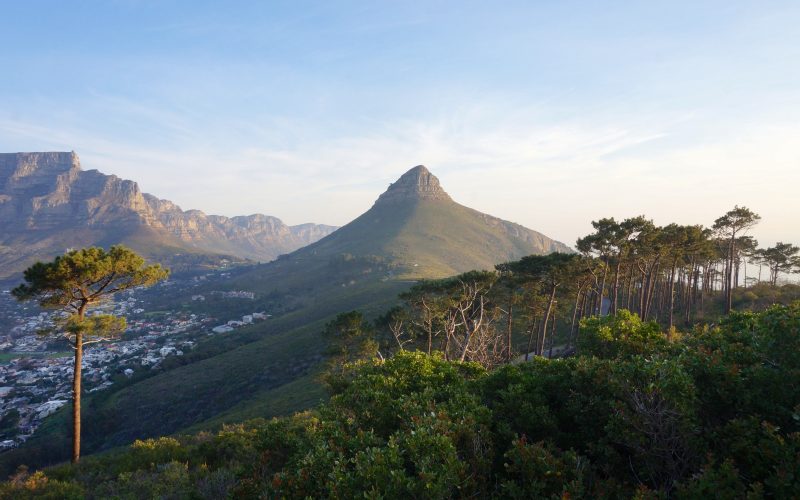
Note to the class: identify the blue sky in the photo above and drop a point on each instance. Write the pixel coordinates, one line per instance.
(546, 113)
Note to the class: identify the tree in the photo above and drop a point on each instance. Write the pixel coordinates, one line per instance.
(733, 224)
(624, 233)
(601, 243)
(425, 302)
(351, 338)
(509, 293)
(551, 271)
(77, 281)
(781, 258)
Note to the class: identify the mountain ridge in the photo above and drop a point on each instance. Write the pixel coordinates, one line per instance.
(43, 193)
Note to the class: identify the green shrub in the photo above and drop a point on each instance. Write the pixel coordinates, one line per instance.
(620, 336)
(538, 470)
(716, 413)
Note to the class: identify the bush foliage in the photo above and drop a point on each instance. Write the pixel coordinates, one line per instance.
(713, 414)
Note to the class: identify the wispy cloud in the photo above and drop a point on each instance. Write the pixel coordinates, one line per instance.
(552, 176)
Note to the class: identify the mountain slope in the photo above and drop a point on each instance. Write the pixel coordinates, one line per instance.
(417, 226)
(48, 204)
(364, 265)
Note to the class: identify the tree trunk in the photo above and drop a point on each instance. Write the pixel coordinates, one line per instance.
(540, 346)
(446, 342)
(534, 328)
(552, 337)
(430, 340)
(615, 296)
(641, 293)
(628, 288)
(574, 317)
(744, 264)
(691, 291)
(508, 331)
(76, 394)
(671, 298)
(602, 288)
(729, 288)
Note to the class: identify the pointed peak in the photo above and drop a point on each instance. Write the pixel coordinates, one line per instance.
(416, 184)
(419, 170)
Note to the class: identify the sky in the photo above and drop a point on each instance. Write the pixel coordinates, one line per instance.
(546, 113)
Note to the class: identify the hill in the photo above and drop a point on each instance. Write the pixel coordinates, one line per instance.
(414, 230)
(48, 204)
(417, 226)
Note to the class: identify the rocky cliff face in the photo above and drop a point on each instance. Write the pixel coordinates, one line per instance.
(47, 202)
(257, 237)
(49, 191)
(416, 184)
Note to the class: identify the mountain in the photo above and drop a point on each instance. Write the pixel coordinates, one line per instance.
(414, 230)
(417, 226)
(48, 204)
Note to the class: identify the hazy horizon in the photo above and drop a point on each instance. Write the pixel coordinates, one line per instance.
(550, 116)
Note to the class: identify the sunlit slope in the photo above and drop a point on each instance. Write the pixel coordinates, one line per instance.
(419, 228)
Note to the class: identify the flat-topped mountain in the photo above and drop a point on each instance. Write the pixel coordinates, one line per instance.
(48, 204)
(417, 225)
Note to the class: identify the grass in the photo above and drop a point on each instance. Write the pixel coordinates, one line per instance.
(432, 239)
(300, 394)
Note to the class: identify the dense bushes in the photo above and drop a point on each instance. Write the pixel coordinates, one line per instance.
(715, 413)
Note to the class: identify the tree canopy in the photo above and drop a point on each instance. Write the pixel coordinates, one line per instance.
(76, 281)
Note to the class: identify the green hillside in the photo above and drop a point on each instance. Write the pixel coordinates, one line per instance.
(710, 414)
(417, 227)
(413, 231)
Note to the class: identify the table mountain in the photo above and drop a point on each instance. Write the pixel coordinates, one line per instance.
(48, 204)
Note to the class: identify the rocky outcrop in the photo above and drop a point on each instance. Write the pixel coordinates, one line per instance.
(416, 184)
(46, 199)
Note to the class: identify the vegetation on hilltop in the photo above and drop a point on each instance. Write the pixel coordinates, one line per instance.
(714, 412)
(672, 277)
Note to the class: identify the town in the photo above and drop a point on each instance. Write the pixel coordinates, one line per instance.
(36, 364)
